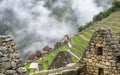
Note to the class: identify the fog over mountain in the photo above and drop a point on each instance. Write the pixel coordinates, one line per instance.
(36, 23)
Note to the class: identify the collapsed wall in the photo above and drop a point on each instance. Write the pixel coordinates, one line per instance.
(10, 61)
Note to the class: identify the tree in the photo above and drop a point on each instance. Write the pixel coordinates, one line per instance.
(116, 3)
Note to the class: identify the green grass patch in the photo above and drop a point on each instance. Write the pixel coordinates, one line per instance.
(32, 70)
(48, 59)
(76, 50)
(27, 66)
(74, 59)
(83, 37)
(88, 33)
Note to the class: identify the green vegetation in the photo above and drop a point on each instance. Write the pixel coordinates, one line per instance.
(27, 66)
(115, 7)
(80, 40)
(76, 50)
(74, 59)
(85, 26)
(32, 70)
(47, 60)
(116, 3)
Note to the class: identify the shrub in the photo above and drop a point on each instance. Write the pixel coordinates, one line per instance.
(85, 26)
(101, 15)
(80, 28)
(116, 3)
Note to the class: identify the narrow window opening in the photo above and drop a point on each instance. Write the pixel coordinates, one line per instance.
(100, 71)
(118, 58)
(100, 51)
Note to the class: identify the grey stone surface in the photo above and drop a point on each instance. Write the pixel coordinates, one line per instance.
(9, 72)
(6, 65)
(20, 70)
(10, 62)
(4, 59)
(1, 54)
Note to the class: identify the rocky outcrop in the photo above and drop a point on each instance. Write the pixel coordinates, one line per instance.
(61, 59)
(10, 62)
(67, 40)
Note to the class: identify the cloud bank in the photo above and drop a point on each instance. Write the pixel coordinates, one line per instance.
(36, 23)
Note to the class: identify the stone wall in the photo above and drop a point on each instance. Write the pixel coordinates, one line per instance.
(69, 69)
(100, 57)
(10, 62)
(76, 71)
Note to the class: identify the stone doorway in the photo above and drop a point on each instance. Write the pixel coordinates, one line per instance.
(100, 71)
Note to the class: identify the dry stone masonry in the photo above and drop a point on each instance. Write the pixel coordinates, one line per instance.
(10, 62)
(103, 54)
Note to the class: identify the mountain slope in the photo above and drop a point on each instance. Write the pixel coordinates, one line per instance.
(80, 40)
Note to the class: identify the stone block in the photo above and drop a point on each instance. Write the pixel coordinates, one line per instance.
(4, 59)
(6, 65)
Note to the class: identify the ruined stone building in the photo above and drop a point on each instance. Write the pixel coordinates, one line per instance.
(47, 48)
(67, 40)
(37, 54)
(103, 54)
(34, 66)
(10, 61)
